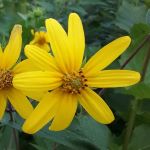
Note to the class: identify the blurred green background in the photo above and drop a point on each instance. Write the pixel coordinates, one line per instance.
(103, 21)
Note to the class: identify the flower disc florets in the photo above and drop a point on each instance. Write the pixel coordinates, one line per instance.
(6, 78)
(74, 83)
(41, 41)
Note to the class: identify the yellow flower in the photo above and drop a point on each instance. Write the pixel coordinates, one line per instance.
(70, 83)
(41, 40)
(8, 71)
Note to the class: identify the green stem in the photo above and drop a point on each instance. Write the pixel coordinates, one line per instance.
(54, 146)
(130, 124)
(134, 107)
(147, 38)
(15, 135)
(145, 65)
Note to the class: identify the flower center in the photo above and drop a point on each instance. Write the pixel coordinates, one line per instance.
(6, 78)
(74, 83)
(41, 40)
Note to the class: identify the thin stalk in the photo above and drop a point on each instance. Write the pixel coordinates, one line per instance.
(145, 65)
(135, 51)
(14, 130)
(134, 107)
(147, 38)
(130, 124)
(54, 146)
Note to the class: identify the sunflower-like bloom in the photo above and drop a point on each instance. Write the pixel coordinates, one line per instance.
(41, 40)
(70, 82)
(8, 71)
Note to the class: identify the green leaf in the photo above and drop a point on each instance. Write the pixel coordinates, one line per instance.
(91, 50)
(98, 134)
(148, 17)
(94, 2)
(118, 101)
(24, 17)
(140, 139)
(147, 3)
(42, 143)
(130, 14)
(139, 31)
(6, 138)
(143, 112)
(78, 9)
(140, 91)
(84, 134)
(37, 147)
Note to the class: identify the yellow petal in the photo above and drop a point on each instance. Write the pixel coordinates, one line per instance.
(36, 38)
(43, 113)
(47, 37)
(59, 44)
(96, 106)
(25, 66)
(13, 48)
(20, 102)
(66, 112)
(42, 34)
(106, 55)
(40, 58)
(3, 103)
(76, 39)
(37, 81)
(41, 40)
(114, 78)
(33, 42)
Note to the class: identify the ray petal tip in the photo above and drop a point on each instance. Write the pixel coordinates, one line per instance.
(137, 76)
(27, 46)
(110, 119)
(73, 14)
(49, 21)
(25, 129)
(56, 129)
(28, 128)
(127, 39)
(17, 28)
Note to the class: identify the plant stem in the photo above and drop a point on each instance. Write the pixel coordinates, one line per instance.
(135, 51)
(147, 38)
(134, 107)
(54, 146)
(14, 130)
(130, 124)
(132, 114)
(145, 65)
